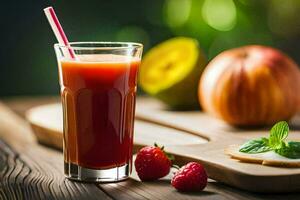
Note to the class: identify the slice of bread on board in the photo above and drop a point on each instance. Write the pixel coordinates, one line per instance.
(266, 158)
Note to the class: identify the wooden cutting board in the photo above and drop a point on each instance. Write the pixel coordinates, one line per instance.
(185, 134)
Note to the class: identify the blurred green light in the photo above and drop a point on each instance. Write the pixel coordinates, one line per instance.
(177, 12)
(282, 18)
(219, 14)
(133, 34)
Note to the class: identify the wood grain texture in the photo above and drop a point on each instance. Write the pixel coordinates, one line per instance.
(159, 190)
(29, 171)
(178, 132)
(133, 189)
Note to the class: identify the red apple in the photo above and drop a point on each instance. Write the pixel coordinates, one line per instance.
(251, 85)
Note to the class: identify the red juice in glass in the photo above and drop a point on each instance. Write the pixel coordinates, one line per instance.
(98, 93)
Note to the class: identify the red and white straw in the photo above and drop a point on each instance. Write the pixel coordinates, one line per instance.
(58, 31)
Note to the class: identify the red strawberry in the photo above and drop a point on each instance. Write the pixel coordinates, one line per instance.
(191, 177)
(152, 163)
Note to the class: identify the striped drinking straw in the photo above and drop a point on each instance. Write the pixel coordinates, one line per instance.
(59, 32)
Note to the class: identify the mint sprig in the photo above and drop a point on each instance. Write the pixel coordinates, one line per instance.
(279, 133)
(256, 146)
(276, 142)
(290, 150)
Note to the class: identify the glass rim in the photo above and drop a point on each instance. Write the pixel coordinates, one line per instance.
(118, 45)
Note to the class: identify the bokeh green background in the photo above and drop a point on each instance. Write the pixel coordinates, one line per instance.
(27, 59)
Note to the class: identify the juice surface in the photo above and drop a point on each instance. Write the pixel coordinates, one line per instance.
(98, 93)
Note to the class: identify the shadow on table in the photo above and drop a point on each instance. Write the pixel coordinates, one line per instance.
(235, 193)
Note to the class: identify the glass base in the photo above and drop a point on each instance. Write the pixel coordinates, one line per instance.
(78, 173)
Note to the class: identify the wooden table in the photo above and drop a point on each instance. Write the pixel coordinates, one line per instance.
(29, 170)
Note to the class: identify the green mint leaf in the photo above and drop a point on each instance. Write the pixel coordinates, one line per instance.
(289, 149)
(279, 133)
(256, 146)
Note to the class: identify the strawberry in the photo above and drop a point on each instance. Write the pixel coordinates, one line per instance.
(152, 163)
(191, 177)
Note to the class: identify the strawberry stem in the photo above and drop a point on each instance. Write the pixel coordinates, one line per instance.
(169, 156)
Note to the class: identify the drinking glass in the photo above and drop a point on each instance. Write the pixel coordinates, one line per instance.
(98, 93)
